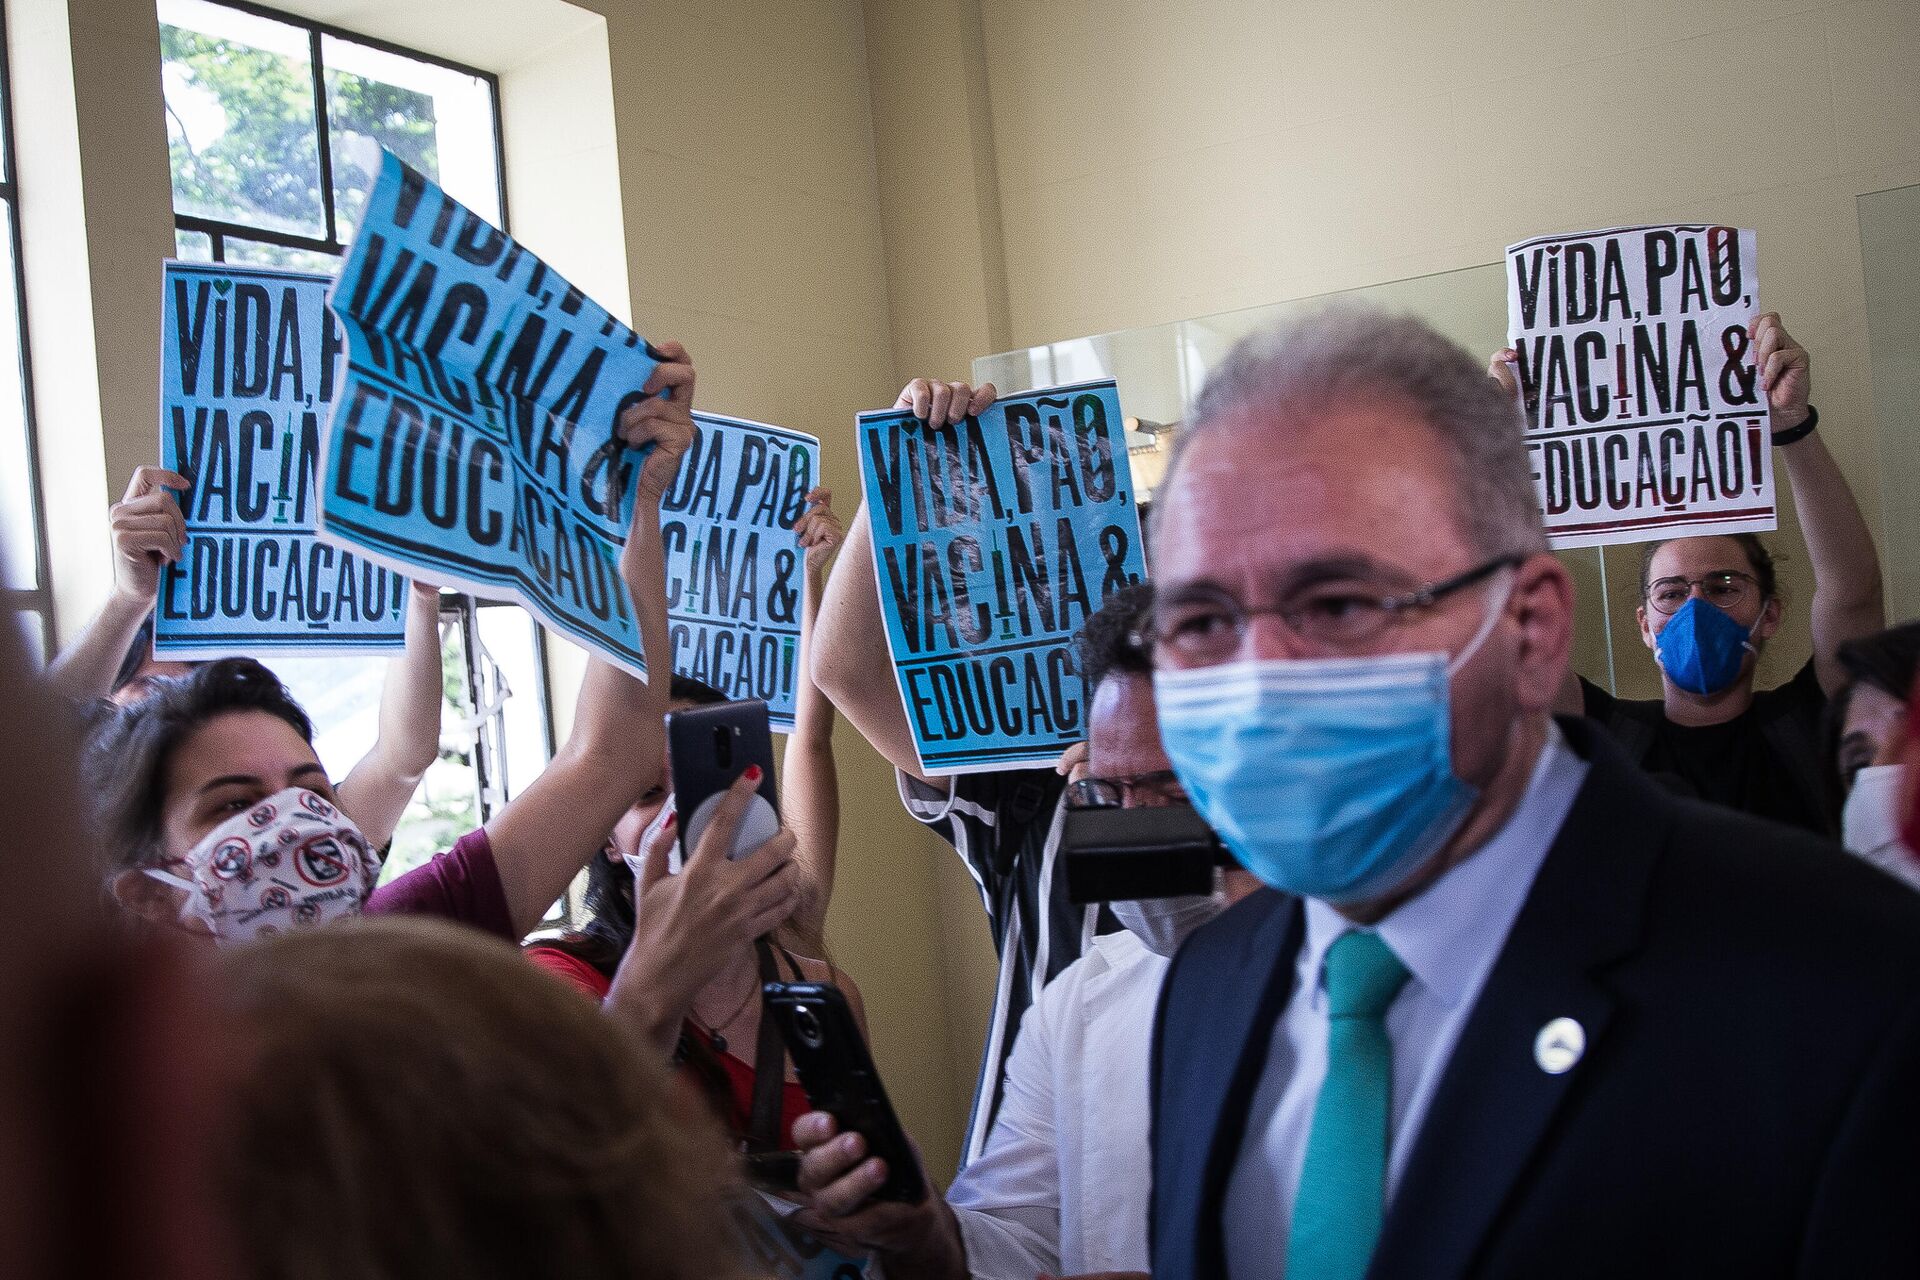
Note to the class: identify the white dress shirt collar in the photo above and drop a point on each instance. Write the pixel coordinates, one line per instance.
(1449, 935)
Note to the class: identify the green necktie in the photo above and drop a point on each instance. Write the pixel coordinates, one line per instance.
(1337, 1212)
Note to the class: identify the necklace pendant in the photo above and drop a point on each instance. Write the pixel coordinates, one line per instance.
(719, 1044)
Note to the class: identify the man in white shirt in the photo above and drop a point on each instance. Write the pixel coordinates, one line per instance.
(1061, 1186)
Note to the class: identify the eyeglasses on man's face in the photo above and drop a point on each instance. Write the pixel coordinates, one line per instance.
(1203, 625)
(1725, 589)
(1157, 790)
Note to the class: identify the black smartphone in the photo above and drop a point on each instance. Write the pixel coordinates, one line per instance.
(830, 1056)
(710, 747)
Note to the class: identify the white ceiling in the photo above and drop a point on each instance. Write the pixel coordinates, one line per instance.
(492, 35)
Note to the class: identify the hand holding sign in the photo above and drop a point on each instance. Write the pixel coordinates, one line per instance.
(663, 421)
(1786, 371)
(950, 402)
(148, 531)
(820, 531)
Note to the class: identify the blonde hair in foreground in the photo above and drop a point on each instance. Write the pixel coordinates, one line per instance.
(416, 1099)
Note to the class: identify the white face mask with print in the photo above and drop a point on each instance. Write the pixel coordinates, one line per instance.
(292, 861)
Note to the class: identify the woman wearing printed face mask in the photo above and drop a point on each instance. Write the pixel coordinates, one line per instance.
(1708, 605)
(1870, 719)
(219, 818)
(680, 953)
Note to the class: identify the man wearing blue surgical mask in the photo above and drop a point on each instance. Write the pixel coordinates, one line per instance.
(1510, 1009)
(1708, 606)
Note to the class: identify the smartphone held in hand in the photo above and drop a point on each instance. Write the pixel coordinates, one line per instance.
(710, 747)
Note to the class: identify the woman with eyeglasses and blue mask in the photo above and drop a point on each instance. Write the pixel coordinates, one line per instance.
(1709, 605)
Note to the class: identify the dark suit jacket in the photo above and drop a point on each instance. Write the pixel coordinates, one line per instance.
(1748, 1104)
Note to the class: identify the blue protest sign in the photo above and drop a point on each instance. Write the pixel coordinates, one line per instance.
(735, 571)
(246, 378)
(993, 540)
(472, 440)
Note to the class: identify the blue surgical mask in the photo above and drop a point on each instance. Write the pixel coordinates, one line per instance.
(1701, 648)
(1331, 778)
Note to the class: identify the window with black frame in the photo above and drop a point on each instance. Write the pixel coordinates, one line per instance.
(275, 126)
(23, 535)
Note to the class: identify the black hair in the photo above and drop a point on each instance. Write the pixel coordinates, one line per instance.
(1888, 661)
(607, 931)
(125, 762)
(1114, 637)
(698, 692)
(1765, 566)
(136, 655)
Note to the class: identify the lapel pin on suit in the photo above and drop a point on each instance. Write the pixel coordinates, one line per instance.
(1559, 1045)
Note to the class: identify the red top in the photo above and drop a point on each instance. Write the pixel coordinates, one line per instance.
(739, 1114)
(576, 972)
(740, 1076)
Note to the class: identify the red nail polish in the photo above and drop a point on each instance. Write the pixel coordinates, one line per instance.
(668, 824)
(753, 773)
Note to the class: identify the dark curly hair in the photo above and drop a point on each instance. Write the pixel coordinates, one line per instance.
(125, 762)
(1765, 566)
(1115, 636)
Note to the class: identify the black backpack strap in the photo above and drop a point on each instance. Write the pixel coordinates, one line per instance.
(769, 1066)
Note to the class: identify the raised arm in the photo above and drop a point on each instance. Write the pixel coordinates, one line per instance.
(544, 836)
(376, 790)
(148, 532)
(850, 659)
(810, 787)
(1846, 569)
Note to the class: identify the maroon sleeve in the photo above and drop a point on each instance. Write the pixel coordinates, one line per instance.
(461, 884)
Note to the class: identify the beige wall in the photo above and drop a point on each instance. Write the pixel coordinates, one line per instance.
(1158, 161)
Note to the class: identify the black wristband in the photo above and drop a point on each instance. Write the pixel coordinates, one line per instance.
(1801, 432)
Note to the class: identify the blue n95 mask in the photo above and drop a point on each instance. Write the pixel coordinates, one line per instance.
(1331, 778)
(1701, 648)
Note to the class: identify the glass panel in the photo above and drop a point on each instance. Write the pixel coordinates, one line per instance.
(341, 696)
(19, 547)
(193, 246)
(261, 254)
(1890, 251)
(447, 805)
(507, 633)
(241, 130)
(438, 120)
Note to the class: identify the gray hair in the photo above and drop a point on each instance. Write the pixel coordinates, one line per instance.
(1348, 353)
